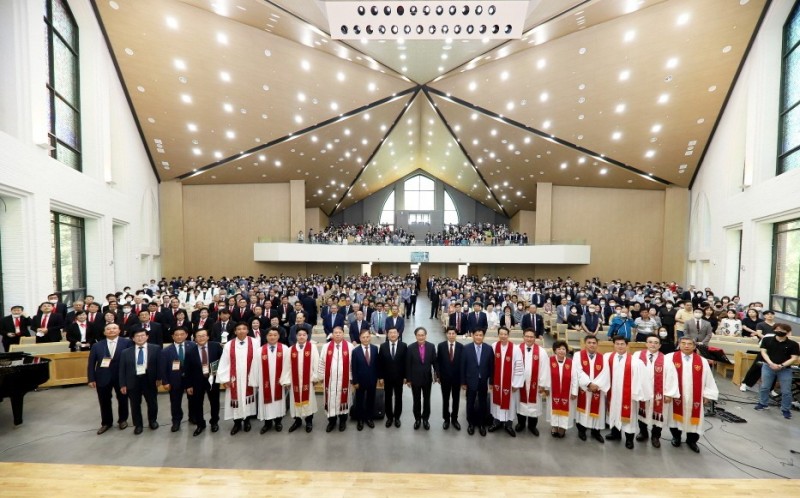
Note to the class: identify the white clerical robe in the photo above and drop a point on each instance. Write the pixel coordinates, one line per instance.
(710, 391)
(305, 383)
(517, 380)
(534, 408)
(560, 421)
(581, 381)
(670, 388)
(641, 390)
(276, 408)
(335, 382)
(226, 371)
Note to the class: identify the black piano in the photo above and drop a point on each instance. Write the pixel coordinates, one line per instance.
(21, 373)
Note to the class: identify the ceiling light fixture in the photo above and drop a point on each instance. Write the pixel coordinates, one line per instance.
(222, 38)
(186, 98)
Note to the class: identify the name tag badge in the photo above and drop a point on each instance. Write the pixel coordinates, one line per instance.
(141, 369)
(16, 329)
(105, 363)
(206, 370)
(176, 366)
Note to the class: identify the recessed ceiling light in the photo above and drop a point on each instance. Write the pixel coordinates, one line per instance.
(140, 88)
(222, 38)
(543, 97)
(701, 121)
(301, 96)
(298, 119)
(650, 153)
(225, 76)
(663, 98)
(620, 108)
(268, 53)
(580, 116)
(305, 65)
(347, 132)
(186, 99)
(624, 75)
(616, 135)
(366, 117)
(191, 127)
(629, 35)
(114, 5)
(172, 23)
(582, 50)
(444, 57)
(603, 171)
(510, 106)
(227, 107)
(563, 165)
(218, 154)
(581, 160)
(340, 76)
(683, 19)
(504, 75)
(334, 106)
(527, 140)
(179, 64)
(726, 49)
(656, 128)
(541, 63)
(371, 87)
(230, 134)
(546, 124)
(404, 69)
(712, 88)
(197, 151)
(672, 63)
(494, 132)
(129, 51)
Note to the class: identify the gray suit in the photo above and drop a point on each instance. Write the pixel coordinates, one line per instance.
(702, 336)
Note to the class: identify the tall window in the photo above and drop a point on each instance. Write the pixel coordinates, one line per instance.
(67, 237)
(450, 212)
(63, 89)
(786, 267)
(419, 219)
(387, 213)
(789, 141)
(419, 191)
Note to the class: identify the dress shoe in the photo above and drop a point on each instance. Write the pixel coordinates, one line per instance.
(641, 437)
(676, 442)
(456, 425)
(613, 437)
(519, 427)
(417, 423)
(278, 425)
(295, 425)
(102, 429)
(426, 425)
(482, 430)
(470, 430)
(198, 431)
(175, 427)
(246, 425)
(446, 425)
(598, 437)
(693, 446)
(138, 430)
(214, 427)
(236, 428)
(582, 435)
(153, 426)
(534, 431)
(510, 430)
(629, 444)
(360, 425)
(123, 425)
(342, 425)
(389, 422)
(265, 428)
(309, 428)
(554, 432)
(493, 427)
(331, 425)
(562, 432)
(192, 421)
(370, 424)
(656, 442)
(397, 423)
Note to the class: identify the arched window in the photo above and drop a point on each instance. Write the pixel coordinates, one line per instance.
(387, 213)
(450, 212)
(789, 137)
(419, 192)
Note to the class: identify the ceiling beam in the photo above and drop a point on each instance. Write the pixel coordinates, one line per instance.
(375, 151)
(547, 136)
(463, 150)
(299, 133)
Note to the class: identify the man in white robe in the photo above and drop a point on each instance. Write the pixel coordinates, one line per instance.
(268, 368)
(507, 379)
(697, 387)
(334, 370)
(624, 370)
(656, 413)
(300, 378)
(589, 383)
(233, 375)
(529, 407)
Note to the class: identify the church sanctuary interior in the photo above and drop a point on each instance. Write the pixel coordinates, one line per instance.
(530, 182)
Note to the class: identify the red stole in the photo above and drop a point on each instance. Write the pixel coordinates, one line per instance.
(502, 391)
(627, 378)
(529, 395)
(594, 407)
(301, 393)
(345, 373)
(559, 395)
(272, 392)
(697, 388)
(249, 396)
(658, 387)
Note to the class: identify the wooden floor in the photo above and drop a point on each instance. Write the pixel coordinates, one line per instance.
(25, 479)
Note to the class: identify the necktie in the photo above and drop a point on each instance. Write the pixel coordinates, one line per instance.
(451, 352)
(651, 357)
(272, 349)
(529, 349)
(619, 357)
(241, 343)
(204, 355)
(698, 326)
(44, 321)
(180, 353)
(478, 351)
(458, 321)
(16, 323)
(392, 350)
(112, 347)
(140, 358)
(686, 357)
(366, 354)
(591, 356)
(338, 347)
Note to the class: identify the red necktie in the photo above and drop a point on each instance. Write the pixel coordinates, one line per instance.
(451, 352)
(91, 317)
(366, 353)
(202, 322)
(152, 316)
(16, 323)
(44, 321)
(458, 321)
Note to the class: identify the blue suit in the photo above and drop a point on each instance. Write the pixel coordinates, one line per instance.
(476, 375)
(106, 379)
(337, 321)
(397, 323)
(176, 379)
(366, 376)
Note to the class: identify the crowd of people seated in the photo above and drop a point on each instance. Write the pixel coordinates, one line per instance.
(476, 234)
(383, 234)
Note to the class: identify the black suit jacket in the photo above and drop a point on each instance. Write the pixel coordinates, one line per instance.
(392, 369)
(473, 375)
(127, 325)
(355, 330)
(216, 330)
(7, 327)
(175, 378)
(194, 367)
(55, 323)
(74, 335)
(237, 315)
(462, 324)
(293, 332)
(154, 336)
(127, 366)
(527, 323)
(418, 372)
(449, 372)
(105, 376)
(363, 374)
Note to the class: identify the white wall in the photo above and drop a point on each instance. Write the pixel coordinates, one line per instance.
(117, 187)
(736, 188)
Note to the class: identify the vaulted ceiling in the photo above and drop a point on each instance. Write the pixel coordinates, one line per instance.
(597, 93)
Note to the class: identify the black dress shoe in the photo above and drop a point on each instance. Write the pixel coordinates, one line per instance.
(417, 424)
(264, 428)
(331, 425)
(656, 442)
(246, 425)
(175, 427)
(295, 425)
(482, 430)
(642, 437)
(198, 431)
(554, 432)
(676, 442)
(214, 427)
(370, 424)
(510, 430)
(236, 428)
(446, 425)
(278, 425)
(426, 425)
(309, 428)
(103, 429)
(598, 437)
(397, 423)
(534, 431)
(138, 430)
(389, 422)
(519, 427)
(470, 430)
(456, 425)
(153, 426)
(582, 435)
(613, 437)
(191, 421)
(629, 444)
(360, 425)
(693, 447)
(493, 427)
(123, 425)
(342, 425)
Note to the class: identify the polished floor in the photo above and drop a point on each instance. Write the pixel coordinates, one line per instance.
(60, 425)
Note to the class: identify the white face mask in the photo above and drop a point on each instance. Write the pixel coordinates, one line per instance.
(663, 334)
(623, 315)
(53, 301)
(698, 316)
(16, 315)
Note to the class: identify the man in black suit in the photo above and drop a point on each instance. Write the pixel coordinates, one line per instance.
(309, 306)
(392, 369)
(356, 326)
(395, 321)
(420, 369)
(127, 319)
(155, 332)
(162, 318)
(78, 334)
(285, 313)
(365, 379)
(173, 372)
(95, 321)
(532, 320)
(199, 368)
(332, 320)
(242, 313)
(476, 373)
(449, 356)
(299, 324)
(77, 306)
(47, 325)
(103, 375)
(435, 297)
(223, 328)
(138, 373)
(477, 320)
(14, 326)
(458, 321)
(59, 308)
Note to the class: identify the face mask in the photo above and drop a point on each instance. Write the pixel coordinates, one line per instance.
(53, 301)
(623, 315)
(662, 334)
(126, 310)
(669, 306)
(757, 308)
(16, 315)
(602, 303)
(780, 333)
(698, 315)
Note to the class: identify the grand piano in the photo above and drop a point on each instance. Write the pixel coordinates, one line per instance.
(21, 373)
